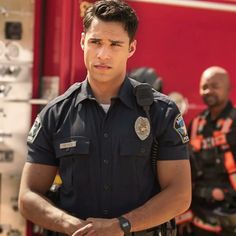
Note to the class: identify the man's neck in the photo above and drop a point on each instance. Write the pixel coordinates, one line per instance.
(215, 111)
(104, 91)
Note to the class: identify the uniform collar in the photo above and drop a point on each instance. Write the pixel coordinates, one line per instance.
(227, 109)
(126, 94)
(85, 92)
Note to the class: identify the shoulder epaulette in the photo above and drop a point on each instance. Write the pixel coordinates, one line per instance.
(62, 97)
(157, 95)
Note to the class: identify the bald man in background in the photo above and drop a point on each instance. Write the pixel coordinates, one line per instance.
(213, 145)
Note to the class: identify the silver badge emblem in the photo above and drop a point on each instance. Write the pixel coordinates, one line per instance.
(142, 127)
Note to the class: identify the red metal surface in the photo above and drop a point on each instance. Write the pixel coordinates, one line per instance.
(181, 42)
(37, 54)
(58, 35)
(78, 71)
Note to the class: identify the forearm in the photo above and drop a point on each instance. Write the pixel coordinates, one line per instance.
(41, 211)
(159, 209)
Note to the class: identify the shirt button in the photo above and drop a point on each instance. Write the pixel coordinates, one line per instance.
(105, 161)
(142, 150)
(106, 187)
(105, 135)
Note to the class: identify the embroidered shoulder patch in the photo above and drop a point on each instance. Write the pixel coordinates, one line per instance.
(34, 130)
(180, 128)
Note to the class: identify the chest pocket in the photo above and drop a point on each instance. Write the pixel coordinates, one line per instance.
(134, 156)
(134, 163)
(73, 154)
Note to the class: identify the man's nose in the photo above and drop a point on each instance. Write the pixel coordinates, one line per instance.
(104, 53)
(207, 91)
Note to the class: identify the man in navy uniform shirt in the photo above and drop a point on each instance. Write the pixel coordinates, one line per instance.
(100, 141)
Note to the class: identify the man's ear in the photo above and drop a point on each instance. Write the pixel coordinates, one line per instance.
(82, 39)
(132, 48)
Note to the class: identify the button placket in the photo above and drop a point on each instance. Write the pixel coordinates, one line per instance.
(106, 169)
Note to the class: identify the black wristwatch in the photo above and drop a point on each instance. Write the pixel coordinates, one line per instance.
(124, 224)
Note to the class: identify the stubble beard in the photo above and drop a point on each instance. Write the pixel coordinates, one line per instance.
(211, 101)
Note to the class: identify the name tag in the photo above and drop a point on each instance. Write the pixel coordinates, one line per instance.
(68, 145)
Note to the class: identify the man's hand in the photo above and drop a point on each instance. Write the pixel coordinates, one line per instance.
(218, 194)
(85, 230)
(103, 227)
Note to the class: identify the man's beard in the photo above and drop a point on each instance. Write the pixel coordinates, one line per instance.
(211, 100)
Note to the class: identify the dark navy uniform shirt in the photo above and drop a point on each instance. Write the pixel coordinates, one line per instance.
(104, 165)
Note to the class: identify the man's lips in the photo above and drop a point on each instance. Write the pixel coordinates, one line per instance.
(102, 67)
(210, 99)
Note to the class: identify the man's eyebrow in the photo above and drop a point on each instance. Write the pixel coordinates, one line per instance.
(117, 41)
(112, 41)
(95, 39)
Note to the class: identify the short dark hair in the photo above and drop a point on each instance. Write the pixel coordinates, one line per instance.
(112, 10)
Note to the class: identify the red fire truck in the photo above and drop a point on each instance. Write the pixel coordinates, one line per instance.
(179, 39)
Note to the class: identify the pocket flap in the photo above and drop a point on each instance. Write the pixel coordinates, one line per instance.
(129, 147)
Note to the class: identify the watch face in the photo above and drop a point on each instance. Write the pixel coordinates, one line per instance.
(124, 224)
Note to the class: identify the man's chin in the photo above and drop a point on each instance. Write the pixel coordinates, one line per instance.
(212, 105)
(211, 102)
